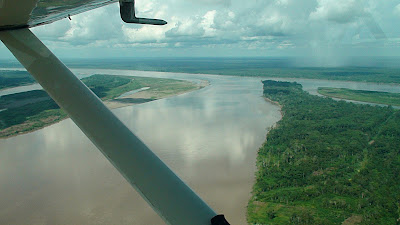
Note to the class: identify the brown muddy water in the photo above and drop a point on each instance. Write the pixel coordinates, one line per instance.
(209, 137)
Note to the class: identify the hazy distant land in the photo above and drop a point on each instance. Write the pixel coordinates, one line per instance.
(28, 111)
(361, 69)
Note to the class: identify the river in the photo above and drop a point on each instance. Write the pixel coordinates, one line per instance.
(209, 137)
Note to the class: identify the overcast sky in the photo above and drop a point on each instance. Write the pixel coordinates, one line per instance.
(312, 28)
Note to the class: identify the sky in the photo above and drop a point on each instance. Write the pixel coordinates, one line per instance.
(321, 29)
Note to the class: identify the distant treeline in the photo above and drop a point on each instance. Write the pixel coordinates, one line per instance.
(327, 162)
(364, 69)
(379, 70)
(13, 78)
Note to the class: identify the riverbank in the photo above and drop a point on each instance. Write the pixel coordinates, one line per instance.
(32, 114)
(323, 163)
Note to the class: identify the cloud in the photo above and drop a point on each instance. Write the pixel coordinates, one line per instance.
(191, 27)
(271, 24)
(396, 10)
(225, 3)
(144, 34)
(339, 11)
(99, 25)
(227, 26)
(53, 31)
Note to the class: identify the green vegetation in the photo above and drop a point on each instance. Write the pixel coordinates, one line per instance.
(33, 110)
(361, 95)
(13, 78)
(375, 75)
(327, 162)
(108, 87)
(377, 70)
(8, 101)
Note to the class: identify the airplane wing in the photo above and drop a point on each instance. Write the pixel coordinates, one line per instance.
(31, 13)
(165, 192)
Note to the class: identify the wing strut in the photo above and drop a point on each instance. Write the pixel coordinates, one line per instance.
(169, 196)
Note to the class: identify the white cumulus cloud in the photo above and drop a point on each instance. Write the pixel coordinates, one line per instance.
(279, 25)
(339, 11)
(397, 10)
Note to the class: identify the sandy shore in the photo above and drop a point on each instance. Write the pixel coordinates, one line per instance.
(147, 96)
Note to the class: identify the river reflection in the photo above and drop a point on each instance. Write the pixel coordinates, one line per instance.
(208, 137)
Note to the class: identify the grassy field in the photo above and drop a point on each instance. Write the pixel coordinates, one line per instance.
(361, 95)
(32, 110)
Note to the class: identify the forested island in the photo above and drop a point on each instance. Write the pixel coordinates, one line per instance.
(327, 162)
(362, 95)
(28, 111)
